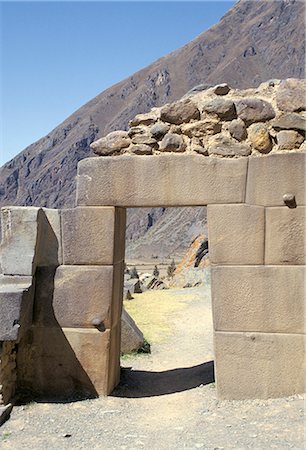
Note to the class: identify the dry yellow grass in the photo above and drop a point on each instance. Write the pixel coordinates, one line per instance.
(152, 311)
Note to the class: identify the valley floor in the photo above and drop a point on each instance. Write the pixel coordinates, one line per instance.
(166, 400)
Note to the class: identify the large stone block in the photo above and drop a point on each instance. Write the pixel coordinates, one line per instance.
(93, 236)
(114, 358)
(16, 309)
(50, 242)
(271, 177)
(64, 363)
(285, 235)
(18, 251)
(258, 365)
(160, 180)
(83, 294)
(236, 234)
(259, 298)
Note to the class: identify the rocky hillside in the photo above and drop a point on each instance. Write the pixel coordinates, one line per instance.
(253, 42)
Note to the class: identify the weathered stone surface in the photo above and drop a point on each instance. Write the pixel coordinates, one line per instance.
(201, 128)
(146, 119)
(16, 305)
(20, 232)
(290, 95)
(114, 142)
(159, 130)
(64, 363)
(93, 236)
(141, 149)
(225, 146)
(180, 112)
(172, 143)
(221, 89)
(266, 299)
(259, 365)
(50, 240)
(236, 234)
(259, 137)
(254, 110)
(131, 337)
(289, 139)
(144, 138)
(271, 177)
(223, 108)
(285, 236)
(114, 358)
(8, 377)
(289, 121)
(237, 129)
(81, 295)
(168, 180)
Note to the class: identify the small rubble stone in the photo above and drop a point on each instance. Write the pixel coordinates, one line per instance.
(260, 138)
(224, 146)
(159, 130)
(289, 121)
(252, 110)
(145, 119)
(144, 138)
(291, 95)
(289, 139)
(112, 143)
(172, 143)
(141, 149)
(137, 130)
(198, 129)
(221, 89)
(237, 129)
(223, 108)
(180, 112)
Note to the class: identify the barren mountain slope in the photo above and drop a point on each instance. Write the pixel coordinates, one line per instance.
(254, 41)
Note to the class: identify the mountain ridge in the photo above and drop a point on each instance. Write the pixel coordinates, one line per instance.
(253, 41)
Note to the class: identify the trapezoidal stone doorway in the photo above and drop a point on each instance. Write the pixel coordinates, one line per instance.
(257, 280)
(68, 305)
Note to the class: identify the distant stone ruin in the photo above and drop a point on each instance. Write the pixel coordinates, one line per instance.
(242, 153)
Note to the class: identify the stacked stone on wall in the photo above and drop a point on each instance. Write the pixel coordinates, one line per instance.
(218, 122)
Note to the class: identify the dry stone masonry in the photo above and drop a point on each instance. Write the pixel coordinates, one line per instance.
(218, 122)
(242, 153)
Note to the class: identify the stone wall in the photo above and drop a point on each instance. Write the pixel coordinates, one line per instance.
(218, 122)
(220, 148)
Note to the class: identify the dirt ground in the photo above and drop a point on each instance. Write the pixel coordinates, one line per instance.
(166, 400)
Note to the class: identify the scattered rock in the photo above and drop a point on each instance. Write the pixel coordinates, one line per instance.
(224, 146)
(291, 95)
(221, 89)
(180, 112)
(237, 129)
(145, 119)
(172, 143)
(252, 110)
(198, 129)
(260, 138)
(131, 337)
(289, 139)
(294, 121)
(223, 108)
(141, 149)
(112, 143)
(159, 130)
(198, 88)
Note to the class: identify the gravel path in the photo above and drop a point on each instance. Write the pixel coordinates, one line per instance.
(174, 408)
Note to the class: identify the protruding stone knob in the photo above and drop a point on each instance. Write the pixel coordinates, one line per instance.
(289, 200)
(96, 322)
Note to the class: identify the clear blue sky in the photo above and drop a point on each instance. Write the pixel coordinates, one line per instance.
(55, 56)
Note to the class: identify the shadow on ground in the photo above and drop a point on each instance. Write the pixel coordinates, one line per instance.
(140, 383)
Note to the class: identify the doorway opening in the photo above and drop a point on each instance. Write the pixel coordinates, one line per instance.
(167, 331)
